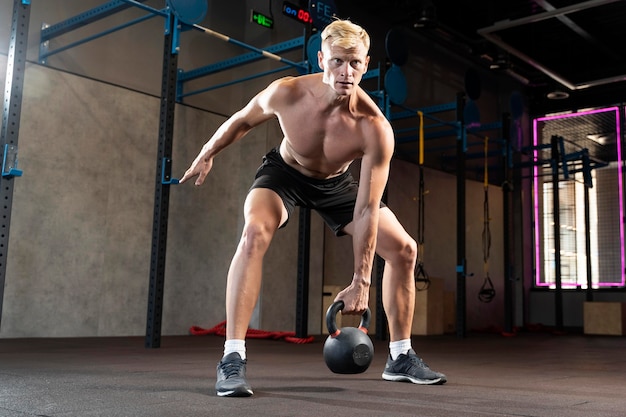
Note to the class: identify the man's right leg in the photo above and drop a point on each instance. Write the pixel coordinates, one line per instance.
(264, 212)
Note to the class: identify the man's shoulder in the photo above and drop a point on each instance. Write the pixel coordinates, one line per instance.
(374, 123)
(292, 86)
(297, 80)
(369, 109)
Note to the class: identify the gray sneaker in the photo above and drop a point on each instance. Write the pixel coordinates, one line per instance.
(410, 368)
(231, 377)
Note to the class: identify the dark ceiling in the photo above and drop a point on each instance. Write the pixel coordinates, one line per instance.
(576, 47)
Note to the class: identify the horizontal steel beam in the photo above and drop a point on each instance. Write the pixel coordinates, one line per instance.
(85, 18)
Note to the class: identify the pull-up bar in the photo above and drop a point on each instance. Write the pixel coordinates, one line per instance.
(263, 52)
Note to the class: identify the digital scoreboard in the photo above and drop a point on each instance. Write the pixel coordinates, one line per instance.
(320, 14)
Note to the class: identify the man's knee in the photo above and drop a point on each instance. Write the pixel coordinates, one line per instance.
(402, 253)
(256, 237)
(409, 251)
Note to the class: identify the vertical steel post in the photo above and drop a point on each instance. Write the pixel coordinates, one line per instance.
(587, 169)
(14, 83)
(556, 215)
(162, 191)
(461, 268)
(381, 318)
(518, 254)
(508, 227)
(304, 247)
(621, 171)
(302, 290)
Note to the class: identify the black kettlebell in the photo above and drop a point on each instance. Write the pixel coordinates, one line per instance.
(348, 350)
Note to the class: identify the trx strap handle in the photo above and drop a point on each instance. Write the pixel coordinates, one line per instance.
(487, 292)
(420, 273)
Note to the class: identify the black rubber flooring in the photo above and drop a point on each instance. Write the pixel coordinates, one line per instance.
(530, 374)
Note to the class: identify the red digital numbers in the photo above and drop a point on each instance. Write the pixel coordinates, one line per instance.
(296, 12)
(304, 16)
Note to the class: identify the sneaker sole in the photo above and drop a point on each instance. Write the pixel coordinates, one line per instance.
(235, 393)
(408, 378)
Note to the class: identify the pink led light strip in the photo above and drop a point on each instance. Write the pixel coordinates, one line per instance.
(620, 185)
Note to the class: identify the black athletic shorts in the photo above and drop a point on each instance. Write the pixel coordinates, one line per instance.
(333, 198)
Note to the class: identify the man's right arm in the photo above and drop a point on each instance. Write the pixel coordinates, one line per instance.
(236, 127)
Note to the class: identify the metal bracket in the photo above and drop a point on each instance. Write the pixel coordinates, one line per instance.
(460, 269)
(176, 35)
(168, 16)
(43, 46)
(9, 162)
(166, 168)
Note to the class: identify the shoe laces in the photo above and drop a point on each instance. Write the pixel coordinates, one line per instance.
(232, 368)
(417, 362)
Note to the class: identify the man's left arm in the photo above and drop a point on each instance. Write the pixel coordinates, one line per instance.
(372, 182)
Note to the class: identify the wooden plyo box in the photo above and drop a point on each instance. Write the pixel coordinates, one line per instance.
(433, 315)
(604, 318)
(428, 318)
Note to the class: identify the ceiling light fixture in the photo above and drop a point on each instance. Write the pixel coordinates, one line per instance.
(501, 62)
(557, 95)
(427, 16)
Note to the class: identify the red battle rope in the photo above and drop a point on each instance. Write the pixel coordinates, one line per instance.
(220, 330)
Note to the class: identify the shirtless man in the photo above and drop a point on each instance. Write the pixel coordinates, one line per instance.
(328, 121)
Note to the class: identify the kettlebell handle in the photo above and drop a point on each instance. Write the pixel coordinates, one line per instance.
(331, 318)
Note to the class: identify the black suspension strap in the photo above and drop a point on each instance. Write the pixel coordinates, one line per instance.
(422, 281)
(487, 292)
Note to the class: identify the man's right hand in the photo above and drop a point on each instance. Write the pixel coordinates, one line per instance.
(200, 167)
(355, 297)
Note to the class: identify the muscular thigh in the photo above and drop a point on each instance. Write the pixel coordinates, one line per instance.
(265, 205)
(392, 237)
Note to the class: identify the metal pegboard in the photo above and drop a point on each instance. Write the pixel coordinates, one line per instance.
(16, 66)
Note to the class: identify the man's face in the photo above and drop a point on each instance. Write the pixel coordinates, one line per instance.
(343, 68)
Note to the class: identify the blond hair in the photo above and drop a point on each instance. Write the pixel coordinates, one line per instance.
(345, 34)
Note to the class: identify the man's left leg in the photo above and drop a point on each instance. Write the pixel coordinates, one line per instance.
(399, 250)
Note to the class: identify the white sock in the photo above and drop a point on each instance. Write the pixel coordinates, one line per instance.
(235, 345)
(398, 347)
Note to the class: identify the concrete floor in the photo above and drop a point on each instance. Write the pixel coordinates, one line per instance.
(530, 374)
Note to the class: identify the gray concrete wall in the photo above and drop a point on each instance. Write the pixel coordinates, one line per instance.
(81, 230)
